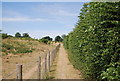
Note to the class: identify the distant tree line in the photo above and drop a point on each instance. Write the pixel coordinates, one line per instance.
(24, 35)
(5, 35)
(46, 39)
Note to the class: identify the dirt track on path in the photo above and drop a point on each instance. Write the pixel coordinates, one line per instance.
(64, 69)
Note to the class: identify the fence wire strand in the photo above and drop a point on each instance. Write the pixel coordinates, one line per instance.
(45, 59)
(10, 74)
(25, 66)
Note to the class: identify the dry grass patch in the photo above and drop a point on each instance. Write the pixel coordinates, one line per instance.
(27, 59)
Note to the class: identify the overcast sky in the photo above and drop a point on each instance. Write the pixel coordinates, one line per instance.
(40, 19)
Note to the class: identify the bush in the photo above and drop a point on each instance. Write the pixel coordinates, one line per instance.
(94, 44)
(26, 35)
(44, 41)
(58, 39)
(4, 35)
(48, 38)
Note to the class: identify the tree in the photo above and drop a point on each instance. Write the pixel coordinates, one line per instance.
(44, 41)
(65, 42)
(48, 38)
(17, 34)
(10, 36)
(26, 35)
(4, 35)
(58, 39)
(63, 36)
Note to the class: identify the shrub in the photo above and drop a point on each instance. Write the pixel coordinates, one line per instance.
(58, 39)
(44, 41)
(4, 35)
(94, 44)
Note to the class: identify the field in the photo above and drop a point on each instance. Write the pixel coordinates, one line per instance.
(21, 51)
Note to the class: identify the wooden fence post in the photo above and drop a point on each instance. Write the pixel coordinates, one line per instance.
(39, 68)
(51, 56)
(19, 72)
(49, 62)
(45, 66)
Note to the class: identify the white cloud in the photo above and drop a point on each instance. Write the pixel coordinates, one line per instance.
(24, 19)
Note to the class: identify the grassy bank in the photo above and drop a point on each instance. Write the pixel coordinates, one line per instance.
(18, 45)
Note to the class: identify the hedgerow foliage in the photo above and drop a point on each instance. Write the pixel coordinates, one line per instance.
(94, 44)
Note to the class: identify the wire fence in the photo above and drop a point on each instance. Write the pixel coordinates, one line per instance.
(39, 71)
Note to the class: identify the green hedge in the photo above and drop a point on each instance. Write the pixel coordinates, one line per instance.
(94, 44)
